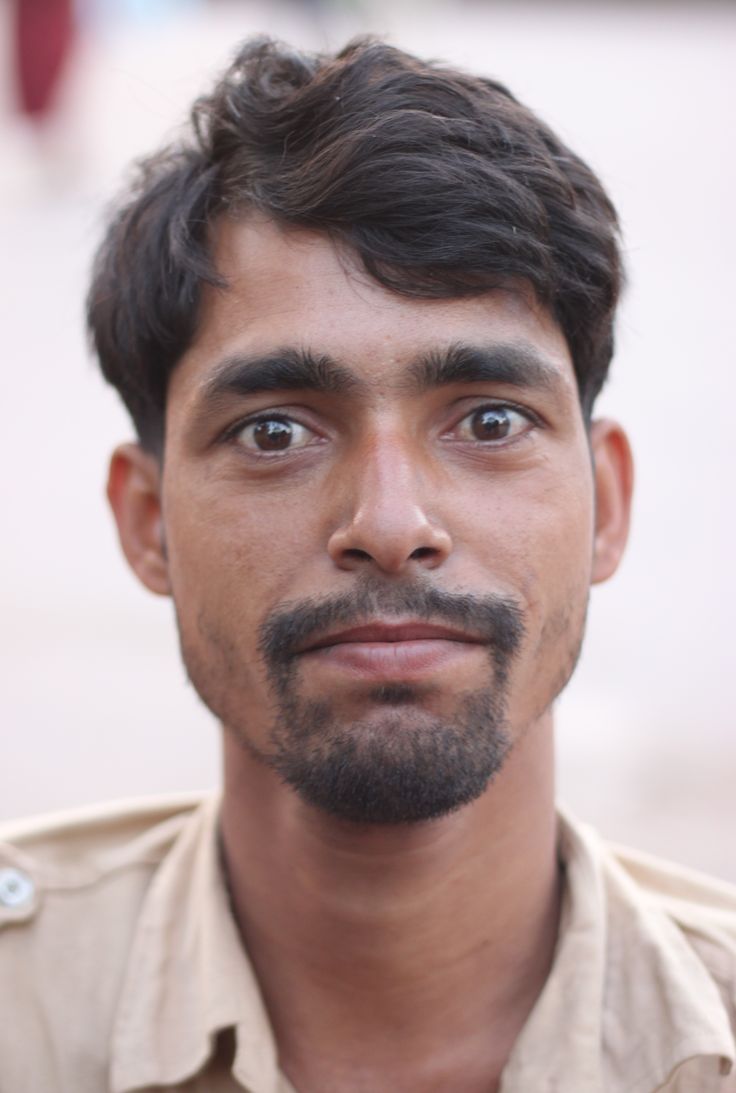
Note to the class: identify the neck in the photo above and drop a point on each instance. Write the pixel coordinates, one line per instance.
(425, 942)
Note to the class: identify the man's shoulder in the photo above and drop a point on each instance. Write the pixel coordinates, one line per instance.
(663, 937)
(695, 900)
(700, 908)
(87, 825)
(72, 889)
(74, 853)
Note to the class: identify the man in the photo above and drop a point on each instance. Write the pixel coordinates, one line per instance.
(360, 320)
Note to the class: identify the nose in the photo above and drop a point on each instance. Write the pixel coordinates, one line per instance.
(387, 526)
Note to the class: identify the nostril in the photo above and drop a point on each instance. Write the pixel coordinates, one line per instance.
(422, 552)
(389, 544)
(357, 555)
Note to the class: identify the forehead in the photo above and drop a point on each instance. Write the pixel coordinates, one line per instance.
(291, 287)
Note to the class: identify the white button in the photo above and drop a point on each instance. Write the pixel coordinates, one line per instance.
(16, 888)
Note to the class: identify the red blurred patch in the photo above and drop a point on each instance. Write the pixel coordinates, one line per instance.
(44, 35)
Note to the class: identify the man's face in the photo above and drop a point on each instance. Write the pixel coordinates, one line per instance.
(379, 518)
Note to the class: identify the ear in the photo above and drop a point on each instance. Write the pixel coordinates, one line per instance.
(134, 493)
(613, 469)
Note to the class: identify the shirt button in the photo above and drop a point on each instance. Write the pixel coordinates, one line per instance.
(16, 888)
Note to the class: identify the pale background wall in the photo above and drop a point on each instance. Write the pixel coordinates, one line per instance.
(93, 699)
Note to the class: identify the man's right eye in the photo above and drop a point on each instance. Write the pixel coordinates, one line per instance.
(274, 434)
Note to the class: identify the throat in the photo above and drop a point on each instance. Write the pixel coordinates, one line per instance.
(420, 949)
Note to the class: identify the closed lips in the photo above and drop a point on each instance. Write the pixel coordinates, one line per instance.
(380, 633)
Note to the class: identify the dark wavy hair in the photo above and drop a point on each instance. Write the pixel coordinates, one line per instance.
(442, 183)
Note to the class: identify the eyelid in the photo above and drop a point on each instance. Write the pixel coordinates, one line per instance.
(258, 416)
(293, 417)
(531, 416)
(232, 437)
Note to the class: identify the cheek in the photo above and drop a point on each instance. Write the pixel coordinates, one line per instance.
(555, 548)
(535, 531)
(231, 555)
(533, 538)
(563, 559)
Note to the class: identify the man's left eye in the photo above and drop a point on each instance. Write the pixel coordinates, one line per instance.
(491, 423)
(274, 434)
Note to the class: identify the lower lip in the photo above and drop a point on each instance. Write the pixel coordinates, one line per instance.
(393, 660)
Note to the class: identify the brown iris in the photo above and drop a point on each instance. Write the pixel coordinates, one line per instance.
(272, 435)
(490, 423)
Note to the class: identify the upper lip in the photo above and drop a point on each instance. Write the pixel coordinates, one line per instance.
(392, 631)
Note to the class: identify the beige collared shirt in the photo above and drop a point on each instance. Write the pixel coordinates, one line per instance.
(122, 969)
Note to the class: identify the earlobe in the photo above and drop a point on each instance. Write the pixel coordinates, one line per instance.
(134, 493)
(614, 476)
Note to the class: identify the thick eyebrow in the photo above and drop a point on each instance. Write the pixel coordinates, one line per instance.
(515, 364)
(282, 370)
(289, 369)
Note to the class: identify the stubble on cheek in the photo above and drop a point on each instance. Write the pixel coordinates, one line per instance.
(225, 678)
(557, 649)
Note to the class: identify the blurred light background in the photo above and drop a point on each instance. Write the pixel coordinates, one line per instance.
(94, 700)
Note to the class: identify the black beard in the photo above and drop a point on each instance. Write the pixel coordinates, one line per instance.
(406, 766)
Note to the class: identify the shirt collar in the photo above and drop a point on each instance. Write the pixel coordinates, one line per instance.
(188, 977)
(626, 1003)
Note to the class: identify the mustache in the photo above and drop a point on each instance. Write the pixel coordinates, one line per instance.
(495, 619)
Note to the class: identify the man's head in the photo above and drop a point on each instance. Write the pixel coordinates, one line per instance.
(440, 183)
(360, 326)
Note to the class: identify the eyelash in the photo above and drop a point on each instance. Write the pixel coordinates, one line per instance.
(533, 420)
(232, 433)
